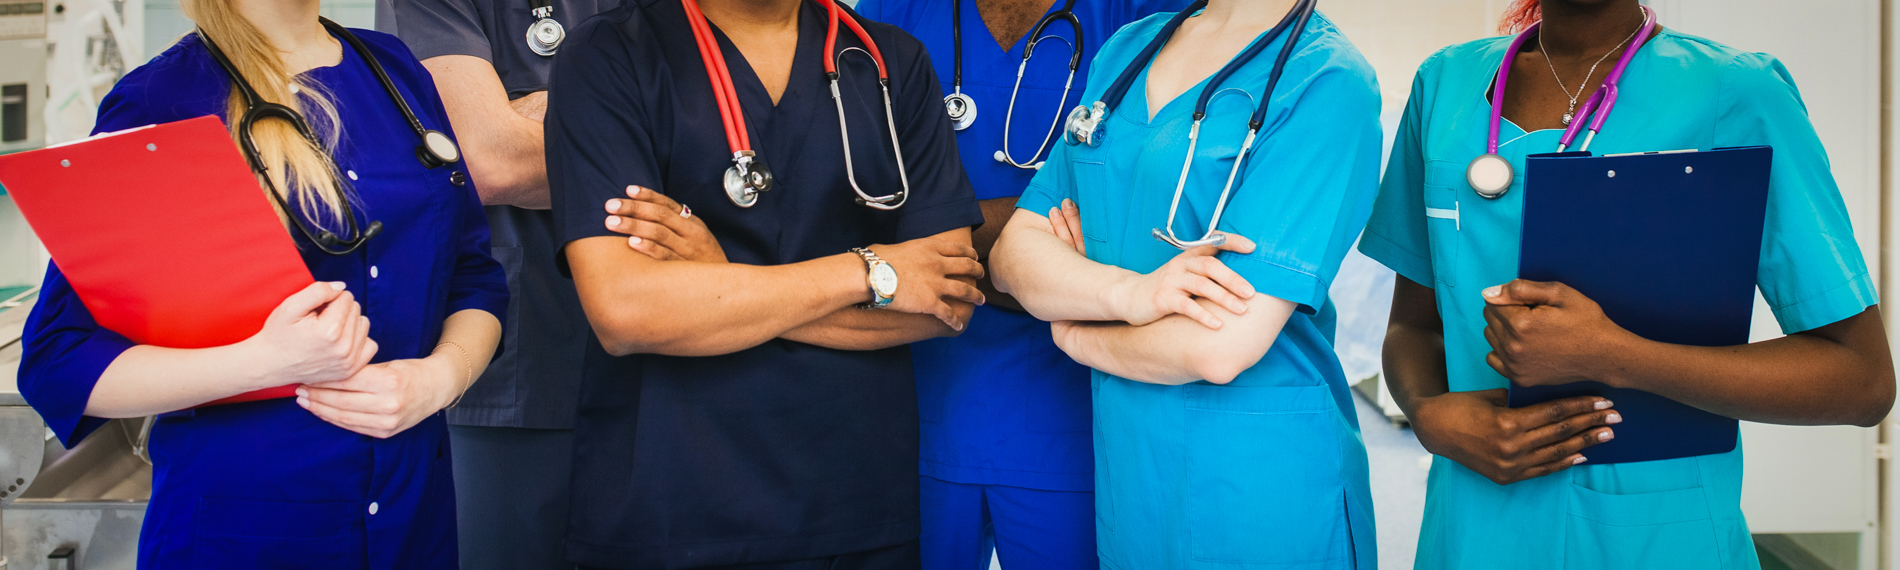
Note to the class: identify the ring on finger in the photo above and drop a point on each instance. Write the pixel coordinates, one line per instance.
(686, 211)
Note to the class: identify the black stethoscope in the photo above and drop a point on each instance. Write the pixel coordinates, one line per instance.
(545, 34)
(749, 176)
(962, 108)
(1087, 122)
(436, 148)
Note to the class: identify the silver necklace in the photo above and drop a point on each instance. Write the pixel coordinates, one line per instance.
(1571, 112)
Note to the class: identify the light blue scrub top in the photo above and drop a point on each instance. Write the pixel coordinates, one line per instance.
(1268, 471)
(1680, 92)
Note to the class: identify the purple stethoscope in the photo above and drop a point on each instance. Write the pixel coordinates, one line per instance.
(1490, 174)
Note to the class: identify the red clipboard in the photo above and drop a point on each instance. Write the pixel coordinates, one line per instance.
(202, 259)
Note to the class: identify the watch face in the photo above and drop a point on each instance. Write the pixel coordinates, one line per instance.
(884, 279)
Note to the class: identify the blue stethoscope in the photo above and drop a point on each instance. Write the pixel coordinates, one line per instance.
(1087, 122)
(962, 108)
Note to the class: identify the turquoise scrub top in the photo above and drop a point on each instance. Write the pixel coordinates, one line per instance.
(1268, 471)
(1680, 92)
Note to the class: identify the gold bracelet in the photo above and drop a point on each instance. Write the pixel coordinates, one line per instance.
(468, 376)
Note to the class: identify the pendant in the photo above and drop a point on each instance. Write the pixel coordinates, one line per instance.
(1567, 117)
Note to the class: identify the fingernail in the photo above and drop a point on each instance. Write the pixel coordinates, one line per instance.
(1606, 436)
(633, 240)
(337, 285)
(613, 205)
(1579, 460)
(302, 401)
(1615, 418)
(633, 191)
(1492, 291)
(613, 221)
(1604, 404)
(301, 393)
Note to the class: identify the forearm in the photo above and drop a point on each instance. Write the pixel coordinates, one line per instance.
(504, 150)
(477, 334)
(996, 214)
(1800, 379)
(1178, 349)
(858, 329)
(147, 380)
(1048, 277)
(688, 308)
(1413, 357)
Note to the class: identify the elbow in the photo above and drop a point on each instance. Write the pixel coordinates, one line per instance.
(1879, 403)
(628, 334)
(1223, 366)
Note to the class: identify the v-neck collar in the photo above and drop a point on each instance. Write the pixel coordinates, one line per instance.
(1173, 105)
(992, 49)
(804, 56)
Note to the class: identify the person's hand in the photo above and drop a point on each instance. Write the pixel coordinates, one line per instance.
(1507, 445)
(1172, 288)
(317, 334)
(533, 105)
(932, 277)
(1066, 221)
(662, 228)
(384, 399)
(1545, 334)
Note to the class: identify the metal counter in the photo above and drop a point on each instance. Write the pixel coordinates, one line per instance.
(64, 509)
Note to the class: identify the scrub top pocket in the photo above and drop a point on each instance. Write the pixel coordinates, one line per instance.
(1444, 217)
(1671, 530)
(1264, 476)
(1091, 178)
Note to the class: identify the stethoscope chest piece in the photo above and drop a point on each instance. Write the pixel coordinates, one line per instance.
(961, 108)
(1490, 175)
(437, 149)
(747, 177)
(545, 34)
(1085, 124)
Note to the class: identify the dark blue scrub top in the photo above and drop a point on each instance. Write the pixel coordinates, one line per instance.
(1001, 405)
(267, 484)
(783, 451)
(536, 377)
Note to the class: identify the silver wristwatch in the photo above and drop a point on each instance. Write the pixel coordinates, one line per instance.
(881, 278)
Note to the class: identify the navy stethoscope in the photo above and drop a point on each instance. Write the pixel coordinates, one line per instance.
(1490, 174)
(962, 108)
(1087, 123)
(546, 33)
(749, 175)
(436, 148)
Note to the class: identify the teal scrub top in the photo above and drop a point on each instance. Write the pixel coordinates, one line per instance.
(1680, 92)
(1268, 471)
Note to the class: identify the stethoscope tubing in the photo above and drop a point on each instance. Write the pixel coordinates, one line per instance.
(1596, 109)
(1066, 13)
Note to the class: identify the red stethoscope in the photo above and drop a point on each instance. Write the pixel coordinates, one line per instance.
(749, 175)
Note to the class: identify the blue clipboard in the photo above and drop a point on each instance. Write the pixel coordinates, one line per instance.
(1669, 243)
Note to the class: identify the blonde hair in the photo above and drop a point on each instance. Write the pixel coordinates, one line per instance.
(300, 169)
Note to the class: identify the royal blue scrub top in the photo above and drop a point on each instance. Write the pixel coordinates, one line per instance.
(267, 484)
(1268, 470)
(784, 451)
(1680, 92)
(1000, 404)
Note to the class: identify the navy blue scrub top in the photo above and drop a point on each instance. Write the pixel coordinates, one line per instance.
(267, 484)
(536, 377)
(784, 451)
(1000, 404)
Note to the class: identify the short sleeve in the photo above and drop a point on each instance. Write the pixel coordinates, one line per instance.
(437, 27)
(941, 196)
(1308, 187)
(597, 134)
(1397, 235)
(64, 353)
(1812, 272)
(1050, 186)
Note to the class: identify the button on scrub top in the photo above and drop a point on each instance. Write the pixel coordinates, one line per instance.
(783, 451)
(267, 484)
(1680, 92)
(1000, 404)
(1268, 470)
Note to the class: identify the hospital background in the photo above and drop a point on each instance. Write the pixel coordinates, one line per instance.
(1816, 497)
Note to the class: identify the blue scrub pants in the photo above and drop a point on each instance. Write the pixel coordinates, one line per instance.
(1027, 528)
(511, 496)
